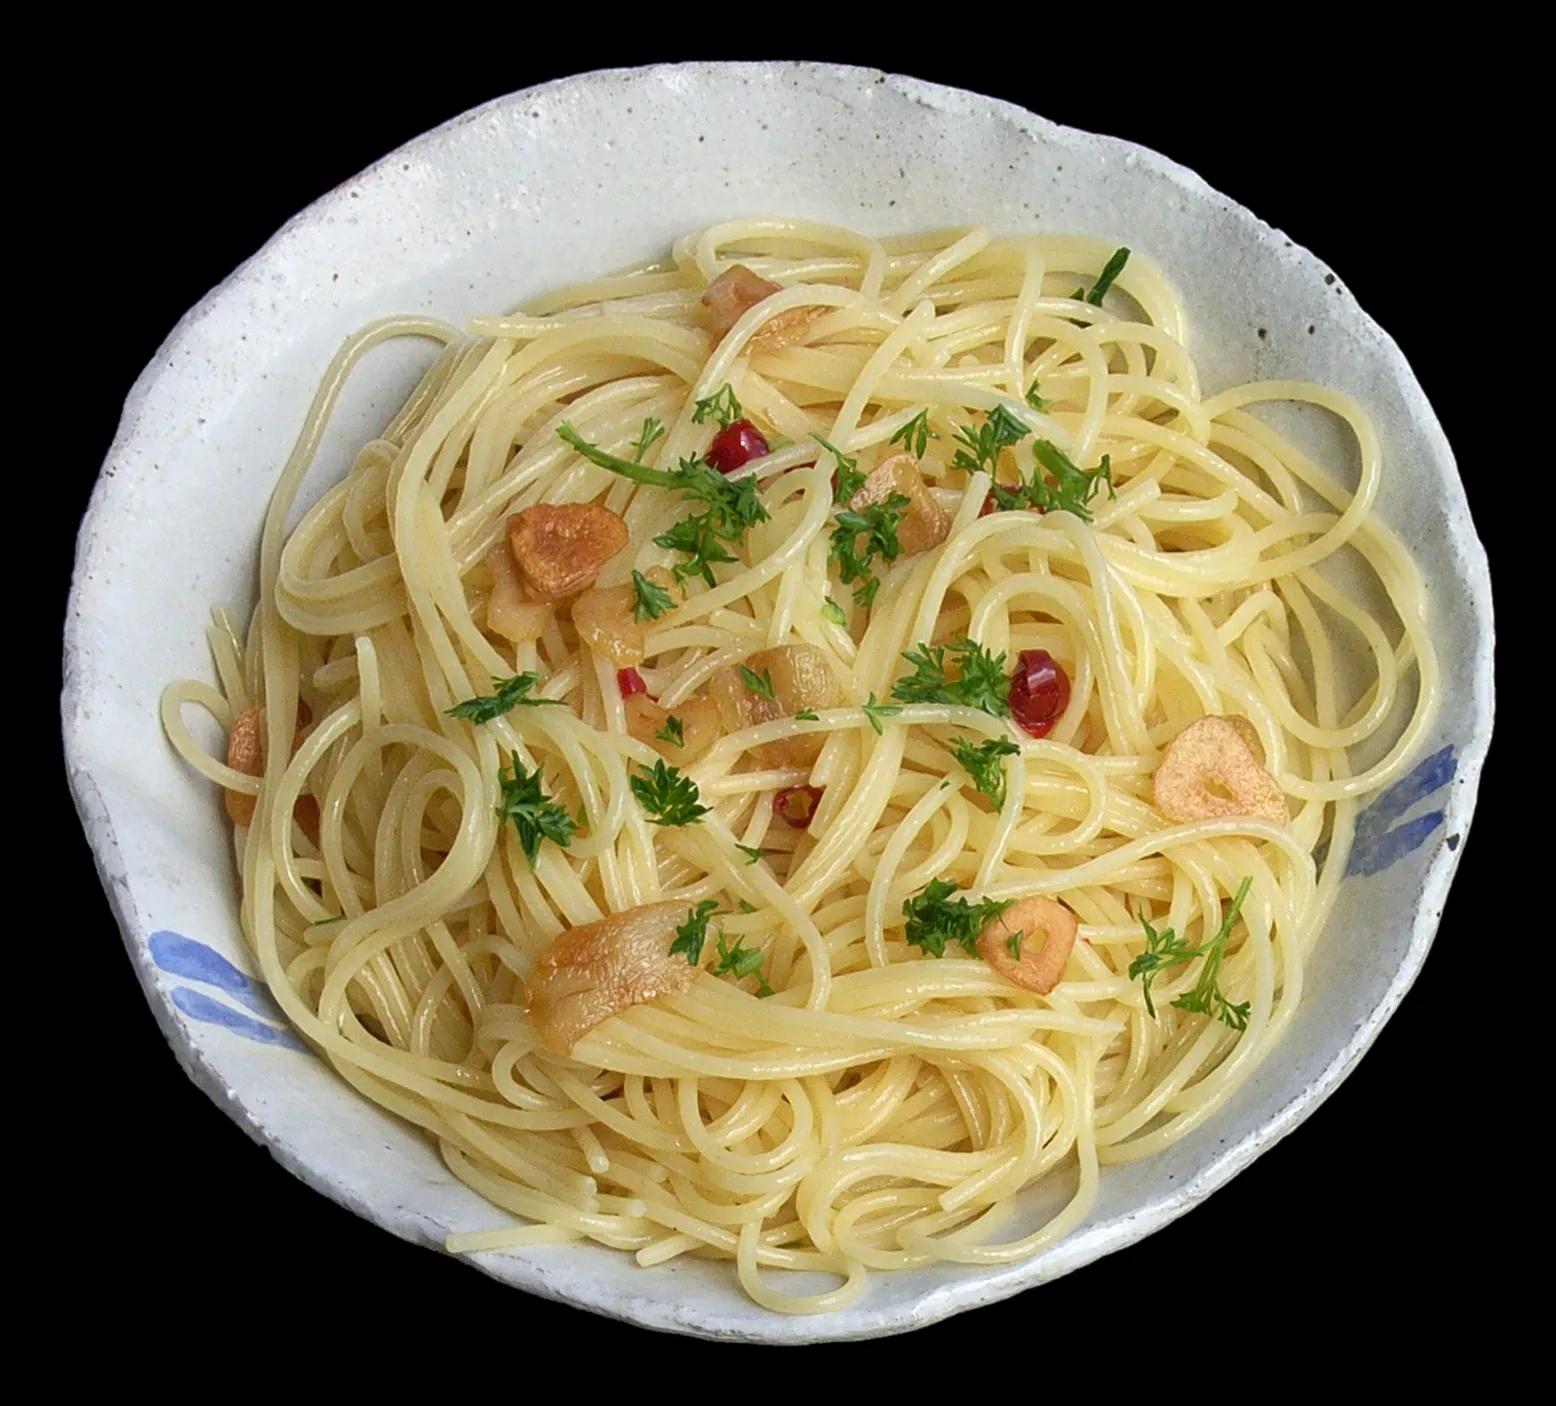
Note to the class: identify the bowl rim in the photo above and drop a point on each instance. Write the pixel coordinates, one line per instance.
(860, 1321)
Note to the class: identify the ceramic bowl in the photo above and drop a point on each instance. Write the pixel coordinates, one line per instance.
(563, 181)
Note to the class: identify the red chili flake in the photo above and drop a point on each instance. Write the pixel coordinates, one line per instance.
(988, 506)
(1039, 692)
(796, 805)
(629, 681)
(736, 445)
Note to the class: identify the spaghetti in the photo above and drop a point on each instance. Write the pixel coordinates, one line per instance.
(922, 752)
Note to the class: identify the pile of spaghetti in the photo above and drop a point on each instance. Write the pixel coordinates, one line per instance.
(774, 753)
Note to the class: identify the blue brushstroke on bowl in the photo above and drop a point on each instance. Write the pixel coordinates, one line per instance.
(1379, 842)
(198, 1006)
(183, 956)
(195, 961)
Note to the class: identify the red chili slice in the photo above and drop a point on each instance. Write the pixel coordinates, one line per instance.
(736, 445)
(1039, 692)
(796, 805)
(629, 681)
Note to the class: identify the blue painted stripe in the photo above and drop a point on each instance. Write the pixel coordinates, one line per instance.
(1392, 845)
(1432, 774)
(198, 1006)
(183, 956)
(1379, 842)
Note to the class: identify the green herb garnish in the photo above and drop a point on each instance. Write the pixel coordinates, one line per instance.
(753, 853)
(832, 611)
(876, 711)
(673, 732)
(981, 682)
(731, 506)
(652, 432)
(983, 765)
(877, 524)
(702, 545)
(691, 934)
(534, 814)
(916, 434)
(1013, 945)
(721, 406)
(741, 962)
(935, 918)
(848, 479)
(652, 601)
(511, 693)
(1066, 488)
(759, 684)
(1167, 949)
(667, 796)
(981, 447)
(807, 717)
(1110, 271)
(1038, 402)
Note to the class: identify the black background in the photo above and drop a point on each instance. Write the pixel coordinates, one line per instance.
(194, 165)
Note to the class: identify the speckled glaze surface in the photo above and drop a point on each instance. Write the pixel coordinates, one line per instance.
(560, 182)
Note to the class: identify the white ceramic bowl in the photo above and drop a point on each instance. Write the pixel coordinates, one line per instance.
(563, 181)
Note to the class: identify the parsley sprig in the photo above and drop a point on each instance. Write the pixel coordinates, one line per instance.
(983, 765)
(1110, 271)
(534, 814)
(1166, 949)
(730, 506)
(511, 693)
(652, 601)
(916, 434)
(673, 732)
(980, 448)
(691, 934)
(849, 478)
(652, 432)
(980, 682)
(935, 918)
(668, 797)
(761, 685)
(721, 406)
(874, 712)
(740, 962)
(1064, 487)
(877, 524)
(1038, 402)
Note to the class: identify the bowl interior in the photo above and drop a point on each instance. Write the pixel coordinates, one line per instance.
(561, 182)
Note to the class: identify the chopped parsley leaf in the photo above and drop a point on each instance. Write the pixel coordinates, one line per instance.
(668, 797)
(511, 693)
(934, 918)
(534, 814)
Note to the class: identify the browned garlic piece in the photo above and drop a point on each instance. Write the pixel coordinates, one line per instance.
(1209, 772)
(923, 523)
(593, 972)
(606, 618)
(246, 748)
(508, 613)
(802, 683)
(1047, 931)
(559, 548)
(736, 291)
(700, 727)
